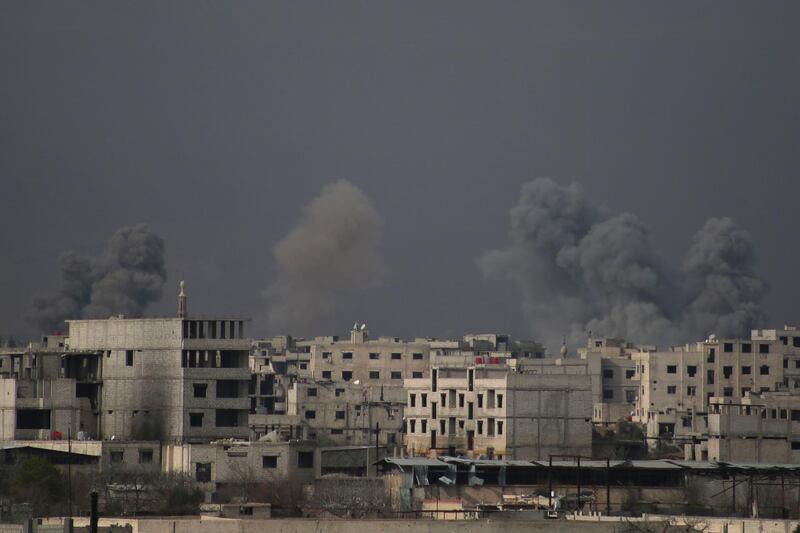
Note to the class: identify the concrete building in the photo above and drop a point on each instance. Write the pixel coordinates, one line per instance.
(521, 410)
(677, 385)
(759, 428)
(225, 462)
(47, 392)
(385, 361)
(336, 413)
(169, 379)
(615, 377)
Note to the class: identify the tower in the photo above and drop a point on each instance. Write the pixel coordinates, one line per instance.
(182, 302)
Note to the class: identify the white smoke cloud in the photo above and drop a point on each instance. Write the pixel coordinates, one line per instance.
(332, 252)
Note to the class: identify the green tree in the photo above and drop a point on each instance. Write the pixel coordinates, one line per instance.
(39, 483)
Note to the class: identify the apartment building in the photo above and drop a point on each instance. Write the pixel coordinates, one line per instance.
(788, 342)
(169, 379)
(336, 414)
(615, 378)
(676, 386)
(520, 410)
(385, 361)
(757, 428)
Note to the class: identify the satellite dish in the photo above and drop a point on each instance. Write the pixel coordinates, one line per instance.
(357, 382)
(363, 327)
(355, 326)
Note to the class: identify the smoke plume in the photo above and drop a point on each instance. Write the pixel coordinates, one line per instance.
(331, 253)
(124, 279)
(581, 268)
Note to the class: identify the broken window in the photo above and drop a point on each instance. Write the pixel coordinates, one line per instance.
(374, 356)
(199, 389)
(326, 374)
(202, 472)
(196, 420)
(117, 456)
(269, 461)
(347, 375)
(727, 371)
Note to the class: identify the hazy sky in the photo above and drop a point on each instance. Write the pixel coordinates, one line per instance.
(216, 122)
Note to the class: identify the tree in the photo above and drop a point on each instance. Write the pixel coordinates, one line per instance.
(39, 483)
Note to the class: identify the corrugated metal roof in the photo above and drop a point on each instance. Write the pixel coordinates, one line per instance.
(488, 462)
(412, 461)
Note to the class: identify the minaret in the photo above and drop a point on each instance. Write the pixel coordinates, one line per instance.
(182, 302)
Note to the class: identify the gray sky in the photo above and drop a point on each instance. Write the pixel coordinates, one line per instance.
(216, 122)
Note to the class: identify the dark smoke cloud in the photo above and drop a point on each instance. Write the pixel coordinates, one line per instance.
(127, 277)
(581, 268)
(720, 267)
(332, 252)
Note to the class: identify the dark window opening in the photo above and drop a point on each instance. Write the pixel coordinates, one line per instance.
(199, 390)
(196, 420)
(305, 459)
(269, 461)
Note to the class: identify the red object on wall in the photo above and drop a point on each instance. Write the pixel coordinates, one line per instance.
(55, 435)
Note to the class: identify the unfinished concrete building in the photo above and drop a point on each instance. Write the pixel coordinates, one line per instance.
(169, 379)
(48, 392)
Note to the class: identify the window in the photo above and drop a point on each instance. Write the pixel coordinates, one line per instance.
(710, 377)
(499, 400)
(374, 374)
(630, 396)
(480, 427)
(117, 456)
(326, 374)
(727, 391)
(499, 427)
(784, 340)
(269, 461)
(202, 472)
(691, 370)
(745, 390)
(145, 456)
(417, 356)
(339, 392)
(763, 348)
(128, 357)
(412, 400)
(690, 390)
(303, 366)
(796, 342)
(413, 426)
(424, 398)
(347, 355)
(796, 443)
(424, 425)
(629, 374)
(797, 361)
(339, 415)
(397, 356)
(764, 370)
(196, 420)
(199, 389)
(672, 389)
(608, 373)
(461, 400)
(311, 393)
(374, 356)
(711, 353)
(305, 459)
(480, 401)
(795, 416)
(397, 375)
(608, 394)
(727, 347)
(746, 370)
(347, 375)
(727, 371)
(416, 375)
(672, 369)
(311, 415)
(747, 347)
